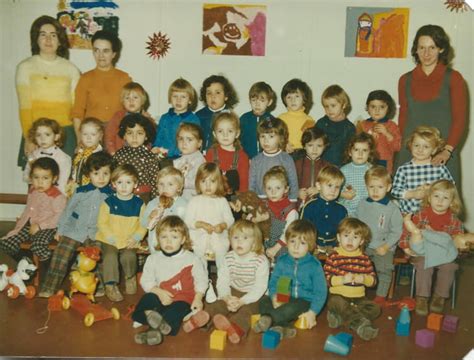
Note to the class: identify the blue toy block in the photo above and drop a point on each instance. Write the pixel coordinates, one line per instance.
(403, 323)
(425, 338)
(345, 338)
(340, 344)
(270, 339)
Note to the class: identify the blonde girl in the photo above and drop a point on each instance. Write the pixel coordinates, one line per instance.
(48, 136)
(209, 216)
(413, 178)
(227, 152)
(362, 154)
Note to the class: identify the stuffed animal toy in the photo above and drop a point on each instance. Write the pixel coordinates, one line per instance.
(464, 242)
(254, 209)
(84, 280)
(14, 281)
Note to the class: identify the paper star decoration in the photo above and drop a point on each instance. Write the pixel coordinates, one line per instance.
(158, 45)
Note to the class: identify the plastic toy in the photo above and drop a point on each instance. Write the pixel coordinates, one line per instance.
(403, 323)
(91, 312)
(434, 321)
(283, 292)
(55, 302)
(409, 302)
(340, 344)
(83, 280)
(270, 339)
(425, 338)
(218, 340)
(450, 323)
(13, 282)
(302, 323)
(253, 319)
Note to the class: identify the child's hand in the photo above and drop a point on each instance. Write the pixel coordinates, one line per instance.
(358, 279)
(348, 193)
(236, 206)
(234, 304)
(312, 191)
(260, 216)
(302, 194)
(34, 228)
(410, 252)
(219, 228)
(166, 297)
(272, 251)
(56, 236)
(132, 243)
(382, 250)
(418, 193)
(290, 148)
(310, 318)
(197, 304)
(382, 129)
(348, 278)
(156, 214)
(275, 303)
(415, 233)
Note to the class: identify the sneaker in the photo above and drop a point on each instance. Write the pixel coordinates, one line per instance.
(421, 307)
(284, 331)
(99, 292)
(334, 320)
(437, 304)
(198, 320)
(45, 294)
(156, 321)
(380, 300)
(263, 324)
(366, 331)
(113, 293)
(234, 332)
(210, 294)
(131, 285)
(150, 337)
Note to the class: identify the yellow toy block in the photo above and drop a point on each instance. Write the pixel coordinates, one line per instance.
(434, 321)
(218, 340)
(253, 319)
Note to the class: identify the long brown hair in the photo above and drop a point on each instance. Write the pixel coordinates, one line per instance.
(63, 48)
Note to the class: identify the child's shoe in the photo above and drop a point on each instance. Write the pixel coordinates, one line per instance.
(150, 337)
(156, 321)
(263, 324)
(437, 304)
(421, 307)
(131, 285)
(366, 331)
(234, 332)
(380, 300)
(198, 320)
(45, 294)
(334, 320)
(284, 331)
(113, 293)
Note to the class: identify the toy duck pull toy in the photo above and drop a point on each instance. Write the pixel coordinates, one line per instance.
(84, 280)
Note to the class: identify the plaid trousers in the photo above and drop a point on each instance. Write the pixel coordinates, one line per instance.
(39, 242)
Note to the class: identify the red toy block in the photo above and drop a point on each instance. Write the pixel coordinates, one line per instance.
(450, 323)
(425, 338)
(434, 321)
(283, 298)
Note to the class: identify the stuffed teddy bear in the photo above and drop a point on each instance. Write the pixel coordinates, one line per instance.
(254, 209)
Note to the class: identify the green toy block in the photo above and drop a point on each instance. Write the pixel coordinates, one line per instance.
(284, 285)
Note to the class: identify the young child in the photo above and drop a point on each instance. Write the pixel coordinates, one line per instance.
(380, 125)
(324, 212)
(314, 142)
(439, 212)
(362, 154)
(263, 102)
(119, 232)
(189, 140)
(49, 137)
(183, 100)
(308, 289)
(227, 152)
(385, 222)
(134, 100)
(209, 216)
(45, 203)
(335, 124)
(170, 183)
(91, 132)
(138, 132)
(273, 137)
(217, 93)
(298, 99)
(348, 272)
(241, 281)
(174, 281)
(78, 223)
(413, 178)
(282, 211)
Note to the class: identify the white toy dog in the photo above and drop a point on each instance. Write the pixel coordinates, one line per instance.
(14, 281)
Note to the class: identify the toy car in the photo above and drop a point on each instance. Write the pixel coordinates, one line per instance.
(91, 312)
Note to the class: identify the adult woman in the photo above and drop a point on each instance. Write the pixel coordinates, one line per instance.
(45, 83)
(98, 90)
(433, 94)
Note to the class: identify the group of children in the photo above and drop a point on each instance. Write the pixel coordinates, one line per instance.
(325, 187)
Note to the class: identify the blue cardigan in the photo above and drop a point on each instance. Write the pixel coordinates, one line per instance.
(248, 132)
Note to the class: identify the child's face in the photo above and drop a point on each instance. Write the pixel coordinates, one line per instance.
(45, 137)
(135, 137)
(270, 142)
(329, 190)
(349, 240)
(421, 149)
(440, 201)
(242, 242)
(378, 188)
(225, 134)
(208, 185)
(360, 153)
(91, 136)
(294, 101)
(100, 177)
(188, 143)
(180, 101)
(215, 96)
(125, 185)
(275, 189)
(42, 179)
(168, 186)
(377, 109)
(314, 148)
(132, 102)
(170, 240)
(297, 247)
(260, 103)
(334, 109)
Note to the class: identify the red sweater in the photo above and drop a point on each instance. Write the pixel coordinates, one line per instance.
(427, 87)
(225, 163)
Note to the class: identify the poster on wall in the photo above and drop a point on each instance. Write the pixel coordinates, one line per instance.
(234, 29)
(82, 18)
(376, 32)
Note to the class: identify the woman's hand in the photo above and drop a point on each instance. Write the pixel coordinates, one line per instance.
(441, 158)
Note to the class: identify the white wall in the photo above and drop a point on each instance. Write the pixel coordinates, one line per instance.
(305, 39)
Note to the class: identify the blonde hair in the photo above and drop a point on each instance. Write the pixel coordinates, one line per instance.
(448, 186)
(358, 227)
(125, 169)
(174, 173)
(338, 93)
(304, 229)
(135, 87)
(378, 172)
(50, 123)
(210, 170)
(232, 117)
(330, 173)
(173, 223)
(276, 172)
(244, 226)
(429, 134)
(182, 85)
